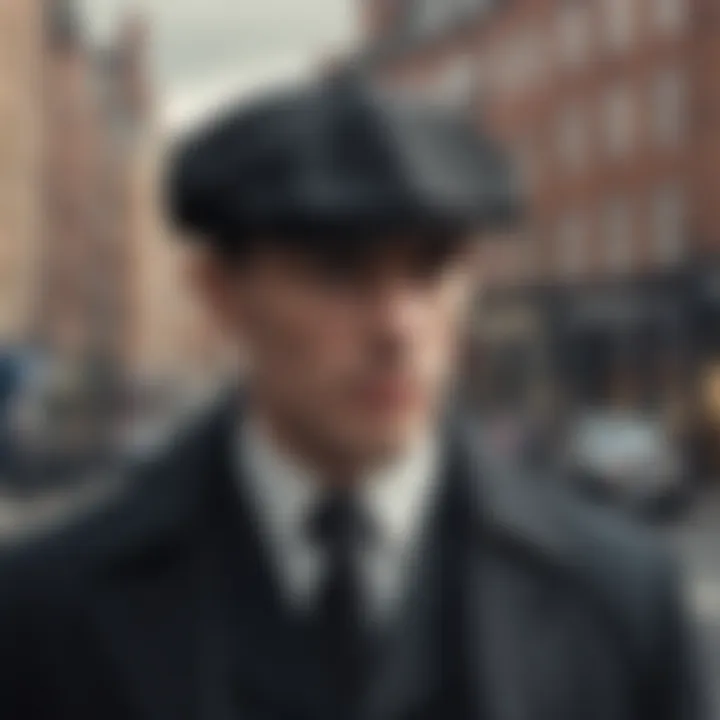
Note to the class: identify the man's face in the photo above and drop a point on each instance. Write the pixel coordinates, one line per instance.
(351, 351)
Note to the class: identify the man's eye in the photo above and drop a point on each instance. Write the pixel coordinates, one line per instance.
(432, 262)
(332, 268)
(428, 270)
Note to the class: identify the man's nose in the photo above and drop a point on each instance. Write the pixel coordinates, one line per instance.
(399, 309)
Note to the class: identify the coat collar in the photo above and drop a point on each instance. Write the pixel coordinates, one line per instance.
(514, 510)
(517, 535)
(184, 587)
(510, 507)
(508, 551)
(516, 598)
(284, 493)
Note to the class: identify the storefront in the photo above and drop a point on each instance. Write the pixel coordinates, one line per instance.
(645, 345)
(623, 344)
(508, 363)
(705, 324)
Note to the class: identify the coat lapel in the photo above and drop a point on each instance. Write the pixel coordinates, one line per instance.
(143, 603)
(146, 630)
(186, 644)
(252, 643)
(518, 608)
(496, 562)
(517, 647)
(195, 601)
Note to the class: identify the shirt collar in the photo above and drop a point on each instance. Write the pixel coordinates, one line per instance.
(397, 494)
(286, 491)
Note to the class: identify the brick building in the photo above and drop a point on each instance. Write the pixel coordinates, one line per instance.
(94, 112)
(610, 287)
(90, 280)
(114, 304)
(174, 348)
(20, 145)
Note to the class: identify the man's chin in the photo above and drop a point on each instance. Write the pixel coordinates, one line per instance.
(387, 441)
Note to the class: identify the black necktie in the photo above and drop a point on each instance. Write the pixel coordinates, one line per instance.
(339, 528)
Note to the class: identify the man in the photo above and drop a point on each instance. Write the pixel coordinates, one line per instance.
(330, 545)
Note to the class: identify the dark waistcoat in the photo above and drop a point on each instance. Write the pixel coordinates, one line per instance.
(254, 645)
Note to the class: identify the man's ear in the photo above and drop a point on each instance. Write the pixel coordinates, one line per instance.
(215, 283)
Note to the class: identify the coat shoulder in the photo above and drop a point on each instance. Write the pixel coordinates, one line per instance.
(540, 508)
(149, 509)
(615, 555)
(615, 582)
(625, 571)
(627, 564)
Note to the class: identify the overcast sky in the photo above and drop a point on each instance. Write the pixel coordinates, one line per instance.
(205, 50)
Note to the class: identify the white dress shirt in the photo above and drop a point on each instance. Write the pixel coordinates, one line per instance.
(285, 494)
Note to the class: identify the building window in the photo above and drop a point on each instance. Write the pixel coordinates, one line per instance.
(429, 16)
(669, 15)
(520, 63)
(511, 68)
(527, 162)
(574, 33)
(618, 234)
(668, 223)
(470, 8)
(528, 255)
(572, 138)
(668, 108)
(572, 244)
(620, 23)
(619, 116)
(455, 83)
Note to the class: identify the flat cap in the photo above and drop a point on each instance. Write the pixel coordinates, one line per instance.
(337, 156)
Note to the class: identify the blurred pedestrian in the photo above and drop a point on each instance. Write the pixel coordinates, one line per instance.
(329, 544)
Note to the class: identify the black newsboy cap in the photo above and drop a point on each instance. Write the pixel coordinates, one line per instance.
(337, 159)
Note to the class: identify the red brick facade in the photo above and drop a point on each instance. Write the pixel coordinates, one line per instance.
(20, 158)
(95, 110)
(611, 108)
